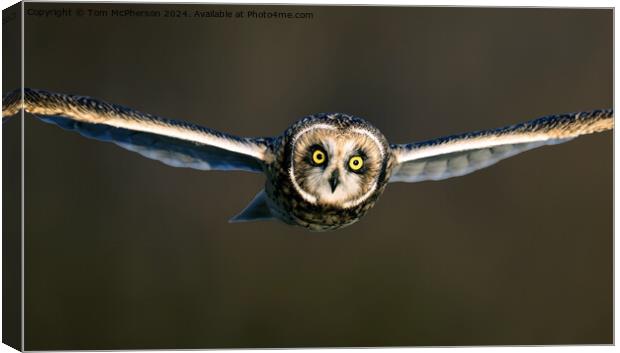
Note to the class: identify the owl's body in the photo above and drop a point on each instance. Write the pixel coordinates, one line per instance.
(324, 172)
(285, 197)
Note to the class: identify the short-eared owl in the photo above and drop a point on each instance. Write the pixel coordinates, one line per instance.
(324, 172)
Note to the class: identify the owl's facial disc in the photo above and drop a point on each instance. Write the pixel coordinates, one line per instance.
(335, 167)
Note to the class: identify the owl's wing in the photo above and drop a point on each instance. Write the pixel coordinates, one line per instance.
(175, 143)
(457, 155)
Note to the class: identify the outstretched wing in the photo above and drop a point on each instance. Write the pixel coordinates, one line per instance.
(458, 155)
(176, 143)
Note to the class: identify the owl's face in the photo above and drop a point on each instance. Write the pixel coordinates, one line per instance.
(336, 166)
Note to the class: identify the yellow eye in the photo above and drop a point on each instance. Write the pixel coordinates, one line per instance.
(318, 157)
(356, 163)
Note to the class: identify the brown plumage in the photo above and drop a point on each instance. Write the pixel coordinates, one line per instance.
(324, 172)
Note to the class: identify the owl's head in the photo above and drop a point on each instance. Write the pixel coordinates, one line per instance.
(337, 160)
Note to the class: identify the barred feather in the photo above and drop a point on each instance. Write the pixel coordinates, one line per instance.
(173, 142)
(461, 154)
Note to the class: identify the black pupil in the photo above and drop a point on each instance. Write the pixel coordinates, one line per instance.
(355, 162)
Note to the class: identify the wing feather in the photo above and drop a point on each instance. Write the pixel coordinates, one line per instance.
(176, 143)
(461, 154)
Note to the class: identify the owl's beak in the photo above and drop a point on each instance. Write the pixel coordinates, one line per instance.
(334, 180)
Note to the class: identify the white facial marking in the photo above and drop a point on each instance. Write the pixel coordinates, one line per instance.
(374, 138)
(374, 185)
(291, 172)
(339, 149)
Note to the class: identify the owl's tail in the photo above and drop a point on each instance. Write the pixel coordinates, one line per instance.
(256, 210)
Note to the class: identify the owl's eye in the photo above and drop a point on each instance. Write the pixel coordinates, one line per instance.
(318, 157)
(356, 163)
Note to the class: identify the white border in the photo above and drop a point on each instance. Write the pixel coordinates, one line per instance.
(490, 3)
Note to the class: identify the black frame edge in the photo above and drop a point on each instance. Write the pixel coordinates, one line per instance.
(12, 178)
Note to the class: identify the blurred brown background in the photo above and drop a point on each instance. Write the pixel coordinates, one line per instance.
(125, 252)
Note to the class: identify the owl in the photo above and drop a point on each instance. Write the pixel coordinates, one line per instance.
(324, 172)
